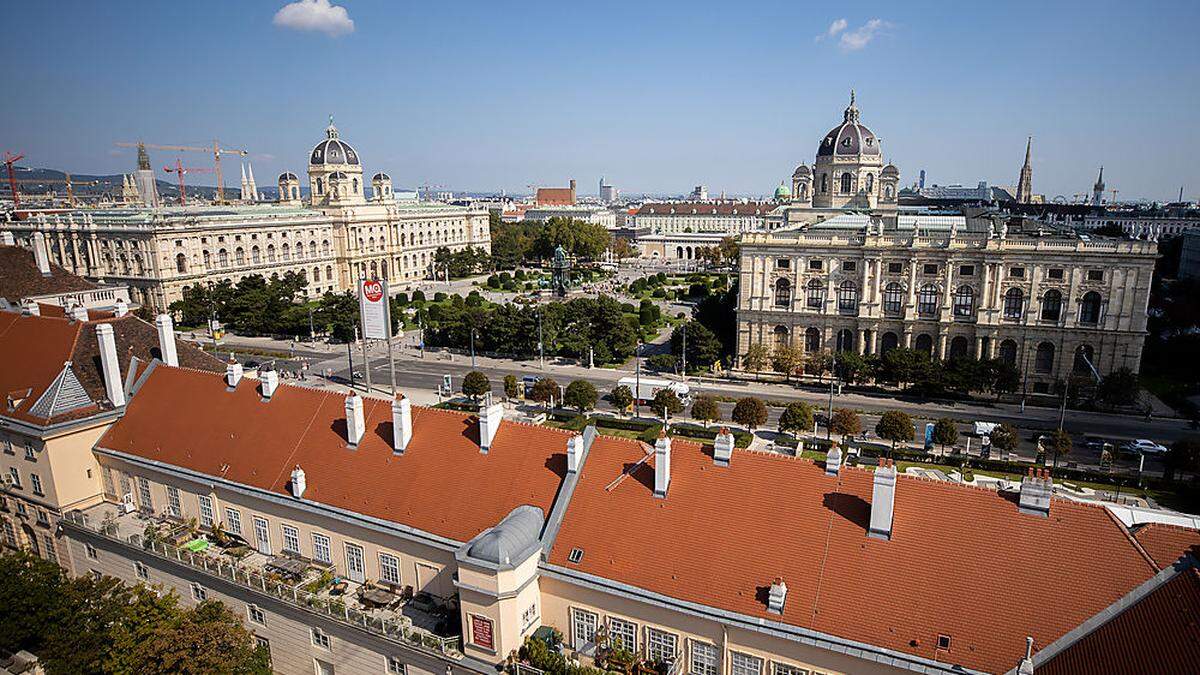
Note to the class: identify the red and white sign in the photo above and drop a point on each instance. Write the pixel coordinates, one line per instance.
(373, 308)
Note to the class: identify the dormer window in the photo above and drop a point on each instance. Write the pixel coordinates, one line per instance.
(575, 556)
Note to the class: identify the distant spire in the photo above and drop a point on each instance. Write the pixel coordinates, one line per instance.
(143, 157)
(1025, 182)
(851, 114)
(1098, 189)
(250, 181)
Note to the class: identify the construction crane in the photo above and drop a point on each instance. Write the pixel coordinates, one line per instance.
(70, 184)
(9, 160)
(215, 149)
(179, 169)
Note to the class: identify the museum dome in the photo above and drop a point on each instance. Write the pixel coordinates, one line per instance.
(849, 138)
(783, 191)
(333, 150)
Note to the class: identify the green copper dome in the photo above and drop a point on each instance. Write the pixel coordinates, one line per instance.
(783, 191)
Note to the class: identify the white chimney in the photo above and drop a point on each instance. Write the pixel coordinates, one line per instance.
(1036, 490)
(298, 482)
(121, 308)
(31, 308)
(40, 254)
(776, 597)
(662, 464)
(883, 500)
(489, 423)
(233, 373)
(270, 382)
(109, 366)
(723, 447)
(166, 339)
(354, 419)
(833, 461)
(574, 453)
(6, 239)
(1025, 667)
(402, 428)
(79, 313)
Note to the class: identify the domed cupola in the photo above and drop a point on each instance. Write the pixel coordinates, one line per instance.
(333, 150)
(334, 161)
(849, 138)
(849, 170)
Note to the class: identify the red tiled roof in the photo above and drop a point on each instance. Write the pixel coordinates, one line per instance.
(961, 562)
(706, 209)
(1158, 634)
(547, 196)
(1167, 543)
(441, 484)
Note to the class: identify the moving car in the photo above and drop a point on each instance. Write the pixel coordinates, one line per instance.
(1145, 447)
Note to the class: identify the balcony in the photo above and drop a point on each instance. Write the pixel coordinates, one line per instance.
(415, 620)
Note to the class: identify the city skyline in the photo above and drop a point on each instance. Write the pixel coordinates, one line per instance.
(654, 99)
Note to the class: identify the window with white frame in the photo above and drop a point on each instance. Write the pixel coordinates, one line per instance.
(233, 520)
(744, 664)
(10, 534)
(264, 644)
(141, 570)
(319, 638)
(321, 551)
(206, 511)
(395, 666)
(703, 658)
(173, 507)
(389, 568)
(583, 629)
(144, 494)
(29, 452)
(199, 593)
(291, 539)
(42, 517)
(661, 646)
(787, 669)
(16, 476)
(622, 634)
(36, 482)
(256, 615)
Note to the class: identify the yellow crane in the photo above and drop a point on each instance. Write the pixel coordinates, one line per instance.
(215, 149)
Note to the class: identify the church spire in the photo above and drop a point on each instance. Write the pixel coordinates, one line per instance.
(143, 157)
(1025, 183)
(851, 114)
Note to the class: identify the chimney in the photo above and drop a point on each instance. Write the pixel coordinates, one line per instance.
(1025, 667)
(402, 427)
(31, 308)
(109, 366)
(39, 253)
(662, 464)
(233, 373)
(723, 447)
(489, 422)
(574, 453)
(6, 239)
(883, 500)
(833, 460)
(121, 308)
(354, 420)
(166, 339)
(776, 597)
(298, 481)
(1036, 490)
(269, 379)
(79, 313)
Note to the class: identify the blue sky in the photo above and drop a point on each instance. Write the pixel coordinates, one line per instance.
(656, 96)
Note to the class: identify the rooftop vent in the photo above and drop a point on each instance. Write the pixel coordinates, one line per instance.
(833, 461)
(166, 340)
(883, 499)
(299, 483)
(269, 379)
(233, 373)
(662, 464)
(574, 452)
(402, 427)
(354, 420)
(489, 423)
(777, 596)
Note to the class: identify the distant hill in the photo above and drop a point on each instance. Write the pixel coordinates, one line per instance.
(106, 185)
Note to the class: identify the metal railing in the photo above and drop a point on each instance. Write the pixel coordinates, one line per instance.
(399, 629)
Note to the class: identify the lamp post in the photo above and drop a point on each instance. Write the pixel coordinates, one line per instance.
(472, 348)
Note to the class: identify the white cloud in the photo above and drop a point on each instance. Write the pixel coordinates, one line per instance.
(318, 15)
(860, 37)
(836, 27)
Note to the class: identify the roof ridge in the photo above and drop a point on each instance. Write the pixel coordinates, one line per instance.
(1137, 545)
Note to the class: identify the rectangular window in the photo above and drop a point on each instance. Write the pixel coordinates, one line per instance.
(319, 638)
(321, 551)
(42, 517)
(786, 669)
(291, 539)
(144, 494)
(583, 630)
(8, 447)
(966, 270)
(262, 535)
(1055, 274)
(389, 568)
(395, 666)
(10, 534)
(782, 263)
(206, 511)
(140, 569)
(16, 476)
(51, 549)
(264, 644)
(929, 269)
(529, 617)
(21, 508)
(1016, 272)
(816, 265)
(256, 615)
(355, 568)
(29, 454)
(233, 519)
(744, 664)
(849, 265)
(91, 551)
(703, 659)
(895, 268)
(199, 593)
(36, 481)
(1095, 275)
(173, 507)
(660, 645)
(623, 634)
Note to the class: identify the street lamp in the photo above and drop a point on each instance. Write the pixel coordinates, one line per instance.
(472, 348)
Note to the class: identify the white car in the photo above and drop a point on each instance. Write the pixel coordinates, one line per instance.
(1145, 447)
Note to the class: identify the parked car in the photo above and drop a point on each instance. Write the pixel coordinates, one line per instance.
(1145, 447)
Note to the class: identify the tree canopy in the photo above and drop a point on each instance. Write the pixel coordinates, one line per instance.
(750, 412)
(797, 418)
(621, 397)
(845, 422)
(705, 409)
(666, 399)
(475, 384)
(895, 426)
(581, 395)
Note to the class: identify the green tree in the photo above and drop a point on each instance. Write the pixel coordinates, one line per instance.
(510, 387)
(705, 409)
(852, 367)
(621, 397)
(1058, 442)
(895, 426)
(796, 419)
(579, 238)
(544, 390)
(786, 360)
(1119, 388)
(475, 384)
(667, 400)
(703, 347)
(1004, 438)
(337, 314)
(904, 365)
(845, 422)
(819, 363)
(750, 412)
(729, 251)
(945, 433)
(756, 358)
(581, 395)
(663, 363)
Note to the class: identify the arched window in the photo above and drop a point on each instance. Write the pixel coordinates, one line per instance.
(329, 273)
(959, 346)
(816, 294)
(270, 252)
(889, 342)
(783, 293)
(1085, 360)
(847, 183)
(239, 255)
(870, 182)
(964, 301)
(1008, 352)
(1089, 308)
(295, 193)
(223, 258)
(927, 300)
(1014, 303)
(679, 252)
(893, 298)
(781, 336)
(287, 252)
(924, 343)
(207, 259)
(812, 340)
(824, 182)
(325, 247)
(1051, 305)
(848, 296)
(299, 250)
(255, 255)
(845, 340)
(355, 183)
(1043, 361)
(316, 274)
(181, 263)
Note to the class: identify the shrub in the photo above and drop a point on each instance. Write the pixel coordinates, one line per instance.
(439, 297)
(796, 418)
(750, 412)
(493, 281)
(666, 399)
(418, 296)
(475, 384)
(621, 397)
